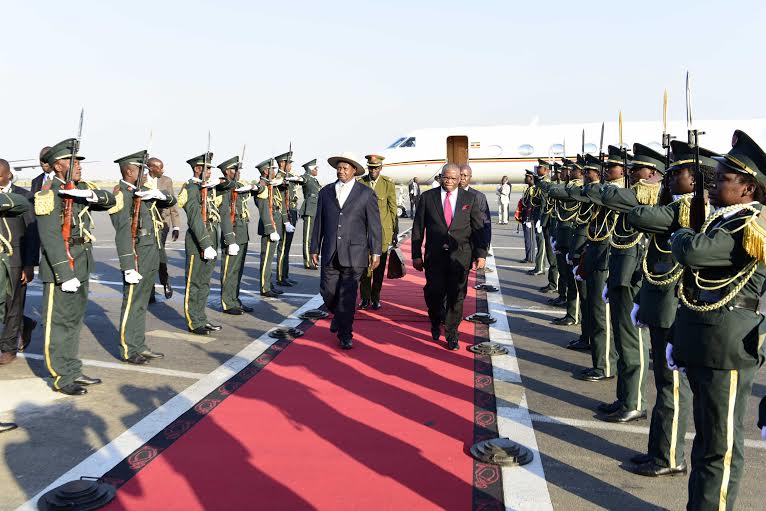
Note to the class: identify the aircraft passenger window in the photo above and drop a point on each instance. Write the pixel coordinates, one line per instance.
(656, 146)
(591, 148)
(410, 142)
(557, 149)
(398, 141)
(526, 149)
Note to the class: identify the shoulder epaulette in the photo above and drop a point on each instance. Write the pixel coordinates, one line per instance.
(647, 193)
(754, 239)
(218, 200)
(119, 201)
(183, 196)
(44, 202)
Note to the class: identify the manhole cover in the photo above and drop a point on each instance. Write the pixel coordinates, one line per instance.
(314, 314)
(285, 333)
(501, 451)
(488, 348)
(81, 495)
(481, 317)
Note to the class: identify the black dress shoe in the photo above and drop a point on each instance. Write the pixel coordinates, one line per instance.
(26, 334)
(270, 294)
(213, 328)
(7, 426)
(547, 289)
(149, 354)
(624, 417)
(234, 311)
(285, 283)
(139, 360)
(277, 291)
(640, 459)
(364, 303)
(73, 390)
(565, 321)
(168, 290)
(198, 331)
(346, 344)
(436, 332)
(452, 345)
(651, 469)
(594, 376)
(246, 308)
(375, 306)
(333, 326)
(87, 380)
(613, 407)
(578, 344)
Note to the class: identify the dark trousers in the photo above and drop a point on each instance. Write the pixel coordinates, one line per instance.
(370, 286)
(308, 224)
(582, 299)
(232, 270)
(529, 243)
(602, 347)
(671, 410)
(283, 248)
(163, 272)
(632, 349)
(545, 251)
(444, 292)
(338, 286)
(413, 205)
(568, 287)
(14, 311)
(135, 299)
(720, 402)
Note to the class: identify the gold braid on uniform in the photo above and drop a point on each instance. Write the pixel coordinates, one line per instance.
(628, 229)
(662, 279)
(44, 202)
(182, 197)
(119, 203)
(647, 194)
(752, 240)
(214, 202)
(602, 231)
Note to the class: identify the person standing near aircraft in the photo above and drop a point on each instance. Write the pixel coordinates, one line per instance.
(310, 185)
(46, 174)
(504, 200)
(466, 174)
(171, 220)
(385, 190)
(414, 190)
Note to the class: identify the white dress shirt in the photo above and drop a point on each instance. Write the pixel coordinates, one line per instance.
(452, 199)
(342, 190)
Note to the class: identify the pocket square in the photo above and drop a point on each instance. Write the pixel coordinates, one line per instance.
(466, 207)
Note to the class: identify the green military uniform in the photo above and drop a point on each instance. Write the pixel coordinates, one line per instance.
(270, 224)
(203, 232)
(311, 187)
(719, 332)
(290, 216)
(553, 229)
(140, 254)
(235, 219)
(63, 311)
(385, 189)
(577, 246)
(541, 223)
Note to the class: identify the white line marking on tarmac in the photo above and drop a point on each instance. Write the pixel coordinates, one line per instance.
(524, 487)
(555, 312)
(515, 267)
(126, 367)
(507, 248)
(118, 449)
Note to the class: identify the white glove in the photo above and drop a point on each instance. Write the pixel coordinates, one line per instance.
(76, 192)
(538, 227)
(553, 243)
(209, 253)
(669, 358)
(634, 317)
(274, 236)
(289, 227)
(208, 184)
(294, 179)
(576, 275)
(568, 259)
(244, 189)
(71, 285)
(151, 194)
(763, 432)
(233, 249)
(528, 225)
(605, 295)
(132, 276)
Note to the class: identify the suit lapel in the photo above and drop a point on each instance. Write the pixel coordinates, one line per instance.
(334, 194)
(440, 206)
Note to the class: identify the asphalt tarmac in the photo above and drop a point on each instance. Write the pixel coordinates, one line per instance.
(584, 460)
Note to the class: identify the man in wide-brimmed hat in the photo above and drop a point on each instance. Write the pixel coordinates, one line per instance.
(348, 234)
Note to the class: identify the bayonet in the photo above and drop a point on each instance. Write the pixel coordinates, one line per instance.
(697, 209)
(135, 223)
(601, 152)
(203, 190)
(624, 154)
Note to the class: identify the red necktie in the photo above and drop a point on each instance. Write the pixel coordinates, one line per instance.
(448, 210)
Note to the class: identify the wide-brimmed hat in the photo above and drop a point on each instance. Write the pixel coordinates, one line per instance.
(349, 158)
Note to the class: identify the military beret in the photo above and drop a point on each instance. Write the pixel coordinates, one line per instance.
(205, 159)
(374, 160)
(288, 157)
(62, 151)
(231, 163)
(644, 156)
(132, 159)
(745, 156)
(684, 156)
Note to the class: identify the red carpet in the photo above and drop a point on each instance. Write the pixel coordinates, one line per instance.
(383, 426)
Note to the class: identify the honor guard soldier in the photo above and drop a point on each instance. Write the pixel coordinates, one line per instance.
(290, 215)
(65, 225)
(311, 187)
(646, 168)
(385, 189)
(541, 217)
(235, 236)
(717, 334)
(269, 202)
(199, 199)
(525, 218)
(657, 303)
(138, 228)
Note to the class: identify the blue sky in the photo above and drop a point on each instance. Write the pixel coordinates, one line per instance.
(333, 76)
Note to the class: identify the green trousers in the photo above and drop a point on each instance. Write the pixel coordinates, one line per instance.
(561, 264)
(582, 296)
(602, 345)
(720, 402)
(308, 225)
(568, 288)
(62, 321)
(135, 299)
(283, 249)
(545, 253)
(671, 410)
(268, 249)
(632, 349)
(232, 268)
(198, 274)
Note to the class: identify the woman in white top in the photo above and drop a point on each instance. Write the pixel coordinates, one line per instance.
(504, 200)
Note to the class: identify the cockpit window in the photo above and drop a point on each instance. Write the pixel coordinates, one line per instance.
(410, 142)
(398, 141)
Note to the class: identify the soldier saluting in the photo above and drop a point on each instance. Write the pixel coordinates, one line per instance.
(199, 200)
(308, 211)
(138, 226)
(65, 225)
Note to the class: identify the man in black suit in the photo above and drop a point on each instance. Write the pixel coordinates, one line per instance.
(17, 232)
(466, 174)
(453, 223)
(414, 189)
(348, 234)
(45, 175)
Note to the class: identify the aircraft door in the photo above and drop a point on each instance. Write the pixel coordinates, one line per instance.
(457, 149)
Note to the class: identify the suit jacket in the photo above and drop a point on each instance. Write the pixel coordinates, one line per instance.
(464, 240)
(414, 189)
(353, 232)
(481, 199)
(170, 216)
(21, 231)
(37, 183)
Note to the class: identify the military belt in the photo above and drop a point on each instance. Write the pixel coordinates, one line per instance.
(709, 297)
(78, 240)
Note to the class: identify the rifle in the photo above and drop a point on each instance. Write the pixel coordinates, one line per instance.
(582, 147)
(66, 227)
(234, 194)
(135, 223)
(287, 199)
(271, 197)
(697, 209)
(666, 195)
(203, 190)
(624, 155)
(601, 153)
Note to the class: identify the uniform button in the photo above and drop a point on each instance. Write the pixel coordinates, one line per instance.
(338, 237)
(341, 214)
